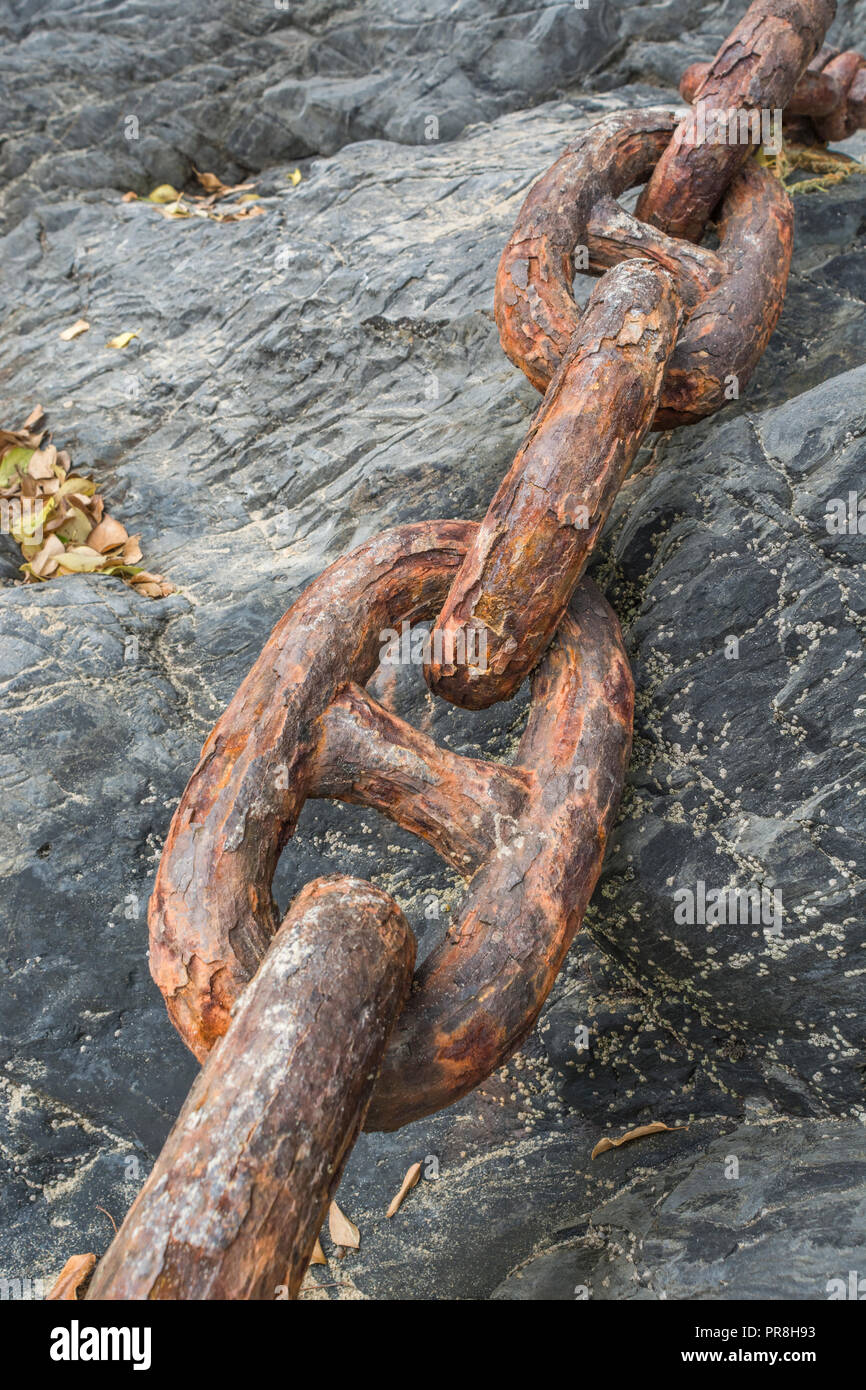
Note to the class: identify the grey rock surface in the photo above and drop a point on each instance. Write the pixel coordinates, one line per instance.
(763, 1212)
(301, 381)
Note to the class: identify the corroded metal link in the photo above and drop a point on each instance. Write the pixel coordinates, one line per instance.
(238, 1194)
(572, 204)
(831, 92)
(479, 993)
(301, 726)
(757, 68)
(848, 71)
(529, 552)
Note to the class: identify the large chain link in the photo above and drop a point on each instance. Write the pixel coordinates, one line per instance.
(313, 1028)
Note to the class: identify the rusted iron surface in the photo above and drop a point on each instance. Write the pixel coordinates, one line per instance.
(828, 88)
(237, 1197)
(478, 994)
(296, 1026)
(529, 552)
(848, 73)
(211, 914)
(572, 205)
(532, 836)
(756, 69)
(369, 756)
(614, 235)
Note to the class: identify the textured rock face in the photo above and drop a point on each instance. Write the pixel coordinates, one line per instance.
(764, 1212)
(301, 381)
(123, 96)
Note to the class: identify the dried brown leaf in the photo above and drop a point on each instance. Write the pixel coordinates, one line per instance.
(642, 1130)
(343, 1231)
(75, 330)
(210, 181)
(77, 1269)
(44, 562)
(318, 1255)
(107, 535)
(42, 462)
(410, 1180)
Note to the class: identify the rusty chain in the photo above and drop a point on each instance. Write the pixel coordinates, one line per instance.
(313, 1028)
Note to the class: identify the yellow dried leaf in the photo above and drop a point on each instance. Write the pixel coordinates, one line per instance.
(15, 462)
(31, 521)
(75, 330)
(410, 1180)
(343, 1231)
(164, 194)
(80, 559)
(122, 340)
(71, 1277)
(318, 1255)
(642, 1130)
(294, 177)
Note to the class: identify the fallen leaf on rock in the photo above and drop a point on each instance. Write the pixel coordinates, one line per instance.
(41, 463)
(75, 330)
(80, 559)
(163, 194)
(642, 1130)
(129, 198)
(44, 562)
(410, 1180)
(240, 215)
(318, 1255)
(107, 535)
(33, 418)
(15, 462)
(131, 552)
(77, 1269)
(343, 1231)
(211, 182)
(122, 340)
(294, 177)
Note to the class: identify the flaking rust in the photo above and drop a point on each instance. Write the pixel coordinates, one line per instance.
(831, 92)
(236, 1199)
(531, 837)
(530, 550)
(756, 69)
(732, 297)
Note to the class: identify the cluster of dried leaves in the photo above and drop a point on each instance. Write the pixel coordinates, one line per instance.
(57, 517)
(244, 203)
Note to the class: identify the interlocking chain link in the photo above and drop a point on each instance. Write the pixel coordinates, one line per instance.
(309, 1029)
